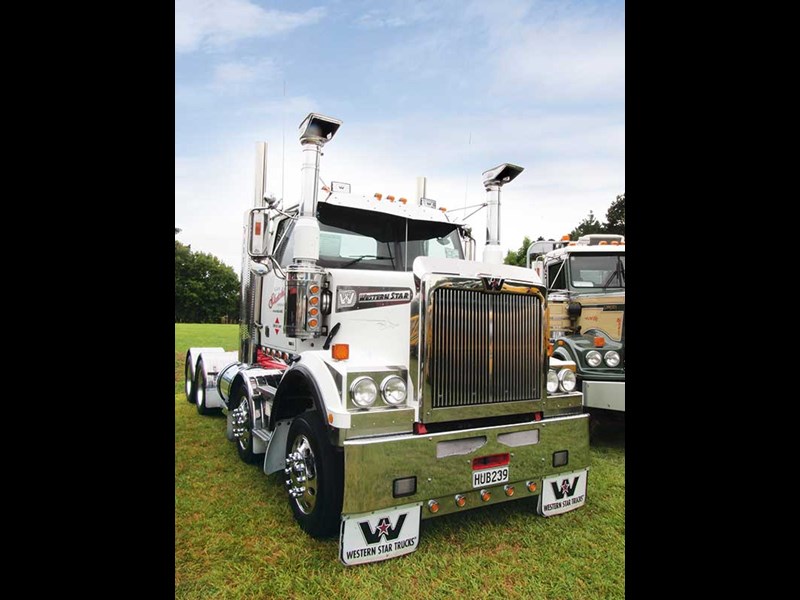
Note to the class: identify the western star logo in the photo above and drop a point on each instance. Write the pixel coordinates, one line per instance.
(383, 529)
(347, 298)
(494, 284)
(566, 489)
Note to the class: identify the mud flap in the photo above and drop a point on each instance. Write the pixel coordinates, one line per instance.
(562, 493)
(379, 535)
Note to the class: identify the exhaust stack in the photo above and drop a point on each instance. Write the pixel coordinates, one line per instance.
(315, 131)
(493, 180)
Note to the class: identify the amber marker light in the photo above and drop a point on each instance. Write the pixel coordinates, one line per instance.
(549, 348)
(313, 300)
(390, 198)
(531, 485)
(486, 495)
(314, 289)
(330, 418)
(461, 500)
(313, 312)
(378, 196)
(599, 342)
(443, 209)
(312, 322)
(340, 351)
(509, 490)
(433, 506)
(565, 238)
(402, 200)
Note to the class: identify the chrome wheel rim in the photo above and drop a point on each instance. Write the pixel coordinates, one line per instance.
(242, 419)
(200, 390)
(301, 474)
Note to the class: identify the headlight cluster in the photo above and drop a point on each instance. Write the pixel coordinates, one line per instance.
(563, 380)
(364, 391)
(594, 358)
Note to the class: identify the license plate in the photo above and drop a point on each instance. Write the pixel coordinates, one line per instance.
(562, 493)
(486, 477)
(378, 535)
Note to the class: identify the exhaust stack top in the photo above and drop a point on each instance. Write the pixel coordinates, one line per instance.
(493, 180)
(315, 131)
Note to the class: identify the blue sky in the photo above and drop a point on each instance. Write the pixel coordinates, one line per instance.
(444, 89)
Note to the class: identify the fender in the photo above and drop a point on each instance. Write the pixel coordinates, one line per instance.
(311, 378)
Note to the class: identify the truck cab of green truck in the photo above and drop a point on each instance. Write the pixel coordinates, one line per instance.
(585, 282)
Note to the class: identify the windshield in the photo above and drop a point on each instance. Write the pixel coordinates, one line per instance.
(605, 271)
(358, 239)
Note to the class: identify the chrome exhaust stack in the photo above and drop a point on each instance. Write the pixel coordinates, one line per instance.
(315, 131)
(304, 278)
(493, 180)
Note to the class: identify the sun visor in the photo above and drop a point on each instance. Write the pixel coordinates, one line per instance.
(381, 226)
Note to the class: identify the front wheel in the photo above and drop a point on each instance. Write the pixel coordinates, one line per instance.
(314, 476)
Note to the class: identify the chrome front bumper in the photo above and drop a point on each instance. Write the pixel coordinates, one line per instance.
(442, 463)
(609, 395)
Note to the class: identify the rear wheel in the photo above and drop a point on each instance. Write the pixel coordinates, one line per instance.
(188, 378)
(200, 390)
(314, 476)
(242, 417)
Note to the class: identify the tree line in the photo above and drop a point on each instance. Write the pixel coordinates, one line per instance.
(614, 223)
(206, 289)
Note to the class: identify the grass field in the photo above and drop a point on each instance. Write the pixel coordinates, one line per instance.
(235, 536)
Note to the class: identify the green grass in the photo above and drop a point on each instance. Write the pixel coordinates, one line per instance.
(235, 536)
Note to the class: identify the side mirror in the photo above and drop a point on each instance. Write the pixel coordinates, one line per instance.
(257, 224)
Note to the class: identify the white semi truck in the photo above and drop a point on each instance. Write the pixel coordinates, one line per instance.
(386, 374)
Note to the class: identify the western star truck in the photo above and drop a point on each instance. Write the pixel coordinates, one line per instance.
(385, 374)
(586, 297)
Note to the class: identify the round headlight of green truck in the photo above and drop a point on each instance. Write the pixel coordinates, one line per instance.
(363, 391)
(393, 389)
(567, 380)
(612, 358)
(593, 358)
(552, 382)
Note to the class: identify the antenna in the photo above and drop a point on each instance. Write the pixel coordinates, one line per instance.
(283, 140)
(466, 178)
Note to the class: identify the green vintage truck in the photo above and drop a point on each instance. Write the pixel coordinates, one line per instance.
(585, 282)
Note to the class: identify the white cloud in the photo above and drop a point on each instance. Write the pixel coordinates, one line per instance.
(233, 76)
(216, 24)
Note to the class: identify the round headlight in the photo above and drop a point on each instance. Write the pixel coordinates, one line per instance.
(363, 391)
(612, 358)
(593, 358)
(567, 380)
(552, 382)
(393, 390)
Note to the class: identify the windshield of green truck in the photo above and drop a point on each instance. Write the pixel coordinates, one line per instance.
(605, 271)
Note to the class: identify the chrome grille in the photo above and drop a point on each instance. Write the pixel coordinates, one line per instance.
(485, 348)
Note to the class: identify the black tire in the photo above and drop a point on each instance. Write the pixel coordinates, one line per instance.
(244, 444)
(188, 380)
(200, 390)
(318, 508)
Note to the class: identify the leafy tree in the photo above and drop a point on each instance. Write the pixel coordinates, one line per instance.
(615, 217)
(206, 289)
(588, 225)
(519, 257)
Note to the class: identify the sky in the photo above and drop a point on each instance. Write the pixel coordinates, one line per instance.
(444, 89)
